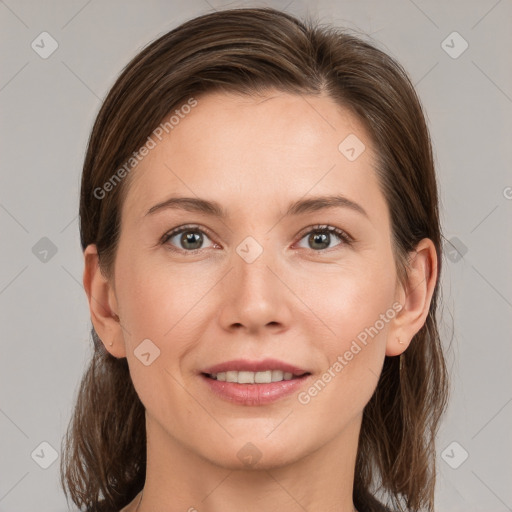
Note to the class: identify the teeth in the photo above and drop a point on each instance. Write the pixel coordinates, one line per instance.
(262, 377)
(253, 377)
(277, 375)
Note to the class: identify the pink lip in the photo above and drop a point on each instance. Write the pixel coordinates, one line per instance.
(241, 365)
(255, 394)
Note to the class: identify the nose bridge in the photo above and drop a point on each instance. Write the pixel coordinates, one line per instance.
(252, 261)
(255, 295)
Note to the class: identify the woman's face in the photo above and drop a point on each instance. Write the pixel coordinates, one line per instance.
(261, 282)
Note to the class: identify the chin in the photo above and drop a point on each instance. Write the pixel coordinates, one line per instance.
(258, 454)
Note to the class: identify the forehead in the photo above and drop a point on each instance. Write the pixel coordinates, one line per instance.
(259, 148)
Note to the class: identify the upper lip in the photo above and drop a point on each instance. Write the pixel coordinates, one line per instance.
(241, 365)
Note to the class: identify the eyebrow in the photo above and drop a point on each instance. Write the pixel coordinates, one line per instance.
(300, 207)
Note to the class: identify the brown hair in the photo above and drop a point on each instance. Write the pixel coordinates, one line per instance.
(248, 51)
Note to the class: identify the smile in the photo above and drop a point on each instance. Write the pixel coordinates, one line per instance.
(254, 383)
(246, 377)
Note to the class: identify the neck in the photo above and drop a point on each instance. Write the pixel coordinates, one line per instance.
(321, 480)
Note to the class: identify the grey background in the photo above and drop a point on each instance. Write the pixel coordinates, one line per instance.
(48, 107)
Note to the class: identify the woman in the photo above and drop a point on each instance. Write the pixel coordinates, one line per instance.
(259, 221)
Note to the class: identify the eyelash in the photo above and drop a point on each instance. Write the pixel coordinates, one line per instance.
(318, 228)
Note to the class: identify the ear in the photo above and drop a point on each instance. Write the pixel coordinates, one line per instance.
(102, 304)
(415, 296)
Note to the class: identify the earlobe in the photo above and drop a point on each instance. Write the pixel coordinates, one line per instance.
(102, 304)
(415, 296)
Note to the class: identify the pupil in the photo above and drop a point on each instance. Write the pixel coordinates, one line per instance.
(320, 238)
(193, 238)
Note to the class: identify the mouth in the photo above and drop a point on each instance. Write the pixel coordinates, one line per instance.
(246, 382)
(247, 377)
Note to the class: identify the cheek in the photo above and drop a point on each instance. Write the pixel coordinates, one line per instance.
(159, 303)
(147, 297)
(164, 303)
(355, 306)
(351, 298)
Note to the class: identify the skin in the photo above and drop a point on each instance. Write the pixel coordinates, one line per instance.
(296, 302)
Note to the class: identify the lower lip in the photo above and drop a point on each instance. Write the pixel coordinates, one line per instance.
(254, 394)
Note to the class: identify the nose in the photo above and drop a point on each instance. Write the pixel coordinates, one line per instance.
(255, 297)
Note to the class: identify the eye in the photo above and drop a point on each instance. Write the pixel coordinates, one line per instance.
(320, 237)
(189, 238)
